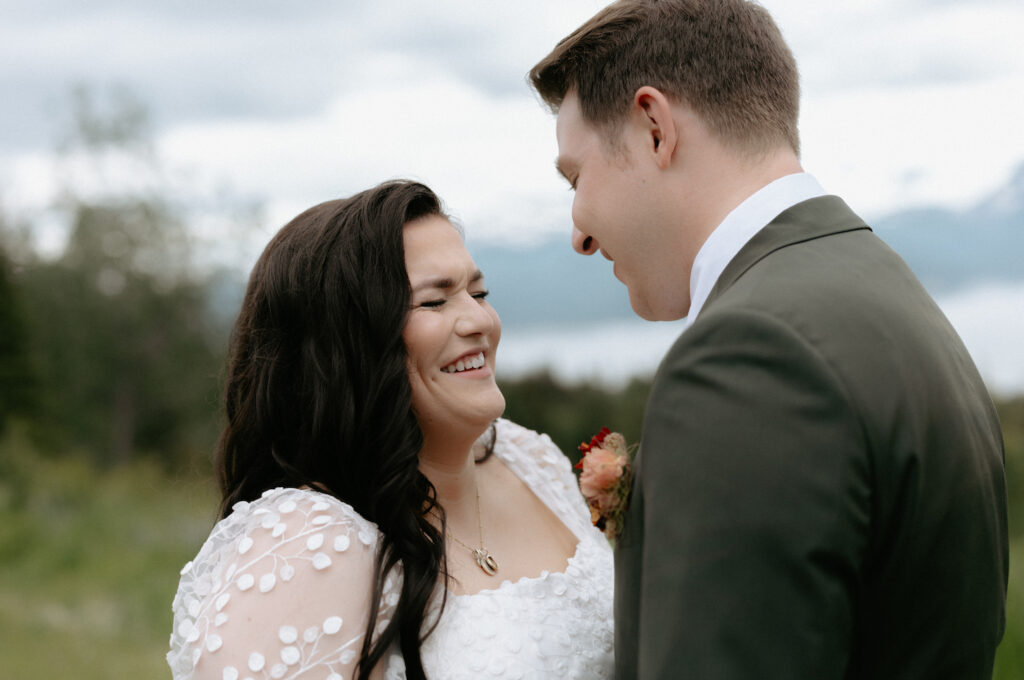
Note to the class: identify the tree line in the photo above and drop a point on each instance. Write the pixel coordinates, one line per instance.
(113, 349)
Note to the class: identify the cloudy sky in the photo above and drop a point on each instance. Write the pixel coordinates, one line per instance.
(905, 102)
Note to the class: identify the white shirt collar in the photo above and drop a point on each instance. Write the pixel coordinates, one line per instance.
(738, 227)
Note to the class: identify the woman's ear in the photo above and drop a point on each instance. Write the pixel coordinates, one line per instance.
(653, 113)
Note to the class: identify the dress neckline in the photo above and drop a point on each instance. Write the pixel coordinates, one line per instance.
(522, 581)
(513, 462)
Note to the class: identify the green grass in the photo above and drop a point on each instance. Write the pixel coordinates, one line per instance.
(89, 564)
(1010, 655)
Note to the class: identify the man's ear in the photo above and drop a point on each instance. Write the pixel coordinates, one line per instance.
(655, 118)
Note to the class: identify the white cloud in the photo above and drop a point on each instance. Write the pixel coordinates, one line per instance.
(904, 103)
(872, 43)
(944, 144)
(489, 157)
(29, 181)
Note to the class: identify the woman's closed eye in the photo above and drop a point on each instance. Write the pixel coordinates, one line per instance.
(440, 302)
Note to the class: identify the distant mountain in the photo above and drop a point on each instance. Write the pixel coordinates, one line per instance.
(950, 250)
(550, 285)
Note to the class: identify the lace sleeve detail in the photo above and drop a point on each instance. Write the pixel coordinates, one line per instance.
(281, 589)
(539, 462)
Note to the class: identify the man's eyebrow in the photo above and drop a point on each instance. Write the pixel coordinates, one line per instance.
(446, 283)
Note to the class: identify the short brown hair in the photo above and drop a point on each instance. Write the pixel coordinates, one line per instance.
(725, 58)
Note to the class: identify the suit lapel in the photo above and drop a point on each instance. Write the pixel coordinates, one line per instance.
(811, 219)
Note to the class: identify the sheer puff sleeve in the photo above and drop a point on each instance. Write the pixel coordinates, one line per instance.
(281, 589)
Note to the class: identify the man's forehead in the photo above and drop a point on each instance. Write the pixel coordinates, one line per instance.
(569, 126)
(568, 113)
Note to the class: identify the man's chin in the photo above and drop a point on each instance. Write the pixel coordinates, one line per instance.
(651, 312)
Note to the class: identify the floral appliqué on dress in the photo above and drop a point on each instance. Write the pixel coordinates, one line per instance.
(281, 589)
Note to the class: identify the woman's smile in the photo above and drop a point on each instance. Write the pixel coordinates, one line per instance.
(451, 332)
(470, 362)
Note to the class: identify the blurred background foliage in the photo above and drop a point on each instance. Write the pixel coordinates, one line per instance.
(110, 353)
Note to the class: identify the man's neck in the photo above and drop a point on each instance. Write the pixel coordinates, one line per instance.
(733, 178)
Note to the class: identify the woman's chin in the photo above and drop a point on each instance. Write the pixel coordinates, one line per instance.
(487, 413)
(470, 421)
(497, 405)
(484, 408)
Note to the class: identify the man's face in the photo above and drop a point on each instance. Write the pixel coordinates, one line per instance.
(618, 209)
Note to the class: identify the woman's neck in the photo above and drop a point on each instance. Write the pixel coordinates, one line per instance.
(450, 465)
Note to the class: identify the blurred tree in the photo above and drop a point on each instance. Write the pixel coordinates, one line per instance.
(125, 344)
(1011, 415)
(16, 376)
(572, 414)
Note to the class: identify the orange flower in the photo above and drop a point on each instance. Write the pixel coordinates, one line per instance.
(605, 479)
(601, 469)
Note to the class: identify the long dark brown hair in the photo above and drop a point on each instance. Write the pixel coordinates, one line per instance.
(317, 391)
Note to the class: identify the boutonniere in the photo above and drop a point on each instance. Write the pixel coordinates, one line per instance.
(605, 479)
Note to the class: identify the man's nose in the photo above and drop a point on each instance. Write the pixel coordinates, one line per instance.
(583, 243)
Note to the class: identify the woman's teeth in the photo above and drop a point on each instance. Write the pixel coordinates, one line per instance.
(465, 364)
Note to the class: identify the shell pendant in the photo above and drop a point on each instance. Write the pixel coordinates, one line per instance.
(486, 560)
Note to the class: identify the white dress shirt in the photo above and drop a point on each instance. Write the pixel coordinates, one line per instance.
(738, 227)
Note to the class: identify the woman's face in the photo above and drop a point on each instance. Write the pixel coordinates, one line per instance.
(451, 332)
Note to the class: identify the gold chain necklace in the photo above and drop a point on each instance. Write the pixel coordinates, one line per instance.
(482, 555)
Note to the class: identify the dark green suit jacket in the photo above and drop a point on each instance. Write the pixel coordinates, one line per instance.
(820, 488)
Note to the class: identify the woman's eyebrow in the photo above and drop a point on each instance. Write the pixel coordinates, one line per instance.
(446, 282)
(440, 284)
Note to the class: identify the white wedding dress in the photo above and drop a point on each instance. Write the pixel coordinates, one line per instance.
(281, 589)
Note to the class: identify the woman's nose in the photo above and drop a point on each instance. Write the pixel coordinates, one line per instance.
(583, 243)
(473, 318)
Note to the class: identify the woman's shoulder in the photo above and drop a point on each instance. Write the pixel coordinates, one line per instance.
(293, 559)
(532, 453)
(530, 443)
(285, 509)
(283, 523)
(277, 517)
